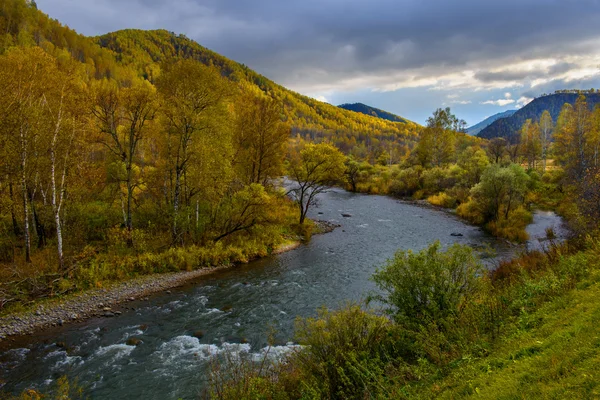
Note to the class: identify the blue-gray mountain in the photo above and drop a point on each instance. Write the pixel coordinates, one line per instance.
(475, 129)
(509, 127)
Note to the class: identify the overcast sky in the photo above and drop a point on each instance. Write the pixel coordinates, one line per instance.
(409, 57)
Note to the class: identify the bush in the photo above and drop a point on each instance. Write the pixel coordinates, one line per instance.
(442, 200)
(513, 227)
(347, 353)
(431, 285)
(407, 182)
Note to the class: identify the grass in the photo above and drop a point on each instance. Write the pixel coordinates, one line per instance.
(557, 356)
(531, 330)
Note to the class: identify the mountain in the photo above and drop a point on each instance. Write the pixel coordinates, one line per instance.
(475, 129)
(375, 112)
(507, 127)
(119, 55)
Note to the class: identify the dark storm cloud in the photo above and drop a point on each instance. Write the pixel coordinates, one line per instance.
(288, 40)
(342, 49)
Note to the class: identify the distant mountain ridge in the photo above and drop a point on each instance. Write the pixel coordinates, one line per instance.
(475, 129)
(372, 111)
(509, 126)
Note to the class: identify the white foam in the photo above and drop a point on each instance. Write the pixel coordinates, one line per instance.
(276, 353)
(68, 360)
(115, 350)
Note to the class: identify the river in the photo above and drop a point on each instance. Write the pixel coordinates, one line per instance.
(236, 309)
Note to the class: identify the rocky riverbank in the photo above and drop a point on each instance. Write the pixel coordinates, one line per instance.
(93, 303)
(105, 302)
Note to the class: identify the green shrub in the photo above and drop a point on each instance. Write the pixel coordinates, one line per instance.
(347, 354)
(431, 285)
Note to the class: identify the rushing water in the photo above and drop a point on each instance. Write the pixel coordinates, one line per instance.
(236, 309)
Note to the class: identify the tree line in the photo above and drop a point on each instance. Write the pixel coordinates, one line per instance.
(192, 155)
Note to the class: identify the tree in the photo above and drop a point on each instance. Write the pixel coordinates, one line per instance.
(436, 146)
(241, 211)
(497, 149)
(572, 134)
(531, 142)
(24, 79)
(352, 173)
(261, 137)
(122, 115)
(193, 97)
(501, 189)
(316, 167)
(473, 161)
(546, 127)
(64, 113)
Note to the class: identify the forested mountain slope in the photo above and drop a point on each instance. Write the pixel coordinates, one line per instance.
(375, 112)
(119, 55)
(507, 127)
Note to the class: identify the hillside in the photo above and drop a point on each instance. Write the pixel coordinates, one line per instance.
(372, 111)
(506, 127)
(475, 129)
(119, 54)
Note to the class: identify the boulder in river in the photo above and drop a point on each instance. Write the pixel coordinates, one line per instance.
(199, 334)
(346, 215)
(133, 341)
(456, 234)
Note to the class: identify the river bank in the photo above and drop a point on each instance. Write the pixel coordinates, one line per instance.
(109, 302)
(244, 308)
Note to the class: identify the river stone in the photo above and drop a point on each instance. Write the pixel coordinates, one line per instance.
(132, 341)
(109, 314)
(346, 215)
(199, 334)
(456, 234)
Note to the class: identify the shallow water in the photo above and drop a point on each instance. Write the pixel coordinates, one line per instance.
(237, 309)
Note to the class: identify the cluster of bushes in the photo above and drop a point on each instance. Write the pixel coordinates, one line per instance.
(496, 196)
(440, 308)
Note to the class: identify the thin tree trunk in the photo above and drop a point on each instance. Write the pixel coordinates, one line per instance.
(176, 200)
(128, 220)
(27, 234)
(57, 203)
(13, 214)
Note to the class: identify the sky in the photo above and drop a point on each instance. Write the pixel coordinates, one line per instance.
(409, 57)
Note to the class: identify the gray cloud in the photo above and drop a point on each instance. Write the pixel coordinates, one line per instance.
(318, 46)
